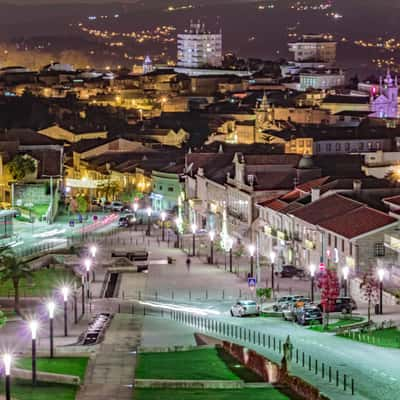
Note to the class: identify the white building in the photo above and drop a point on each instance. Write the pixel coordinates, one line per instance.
(314, 48)
(323, 79)
(198, 48)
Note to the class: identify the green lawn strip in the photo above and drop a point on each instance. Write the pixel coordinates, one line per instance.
(42, 283)
(209, 394)
(388, 337)
(61, 365)
(334, 325)
(270, 314)
(197, 365)
(23, 390)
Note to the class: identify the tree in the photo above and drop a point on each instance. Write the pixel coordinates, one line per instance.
(20, 166)
(13, 268)
(264, 293)
(328, 283)
(370, 289)
(82, 204)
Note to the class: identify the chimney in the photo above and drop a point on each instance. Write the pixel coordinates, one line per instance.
(315, 194)
(357, 186)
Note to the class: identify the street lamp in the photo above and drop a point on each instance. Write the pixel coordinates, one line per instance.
(93, 251)
(312, 273)
(149, 211)
(163, 218)
(88, 266)
(194, 229)
(212, 237)
(252, 250)
(33, 326)
(65, 293)
(83, 294)
(345, 272)
(51, 307)
(272, 258)
(381, 274)
(7, 358)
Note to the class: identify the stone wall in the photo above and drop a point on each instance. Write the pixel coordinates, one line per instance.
(34, 193)
(357, 295)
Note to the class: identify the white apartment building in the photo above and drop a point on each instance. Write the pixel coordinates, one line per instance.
(198, 47)
(314, 48)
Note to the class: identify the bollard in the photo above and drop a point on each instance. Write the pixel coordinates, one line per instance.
(223, 294)
(309, 363)
(140, 295)
(119, 308)
(297, 356)
(263, 339)
(269, 341)
(133, 309)
(259, 338)
(302, 359)
(344, 382)
(144, 310)
(254, 337)
(323, 370)
(206, 294)
(330, 374)
(280, 346)
(274, 343)
(316, 367)
(240, 293)
(352, 386)
(190, 295)
(337, 377)
(173, 295)
(156, 295)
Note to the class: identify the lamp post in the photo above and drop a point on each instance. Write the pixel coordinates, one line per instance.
(88, 265)
(33, 326)
(149, 211)
(135, 210)
(83, 294)
(93, 251)
(194, 229)
(272, 257)
(7, 372)
(163, 218)
(65, 293)
(212, 237)
(381, 274)
(75, 304)
(252, 250)
(345, 272)
(312, 273)
(51, 306)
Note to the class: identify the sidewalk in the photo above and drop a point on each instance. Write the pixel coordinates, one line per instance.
(110, 374)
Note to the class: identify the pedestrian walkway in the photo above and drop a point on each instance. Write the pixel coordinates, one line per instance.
(110, 374)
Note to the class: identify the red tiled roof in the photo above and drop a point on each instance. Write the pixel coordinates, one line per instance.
(357, 222)
(275, 204)
(326, 208)
(307, 186)
(274, 159)
(393, 200)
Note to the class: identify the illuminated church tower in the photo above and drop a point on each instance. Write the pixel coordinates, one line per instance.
(385, 103)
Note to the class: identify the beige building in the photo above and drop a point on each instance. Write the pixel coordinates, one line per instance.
(58, 133)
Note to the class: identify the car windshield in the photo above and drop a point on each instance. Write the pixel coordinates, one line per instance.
(248, 303)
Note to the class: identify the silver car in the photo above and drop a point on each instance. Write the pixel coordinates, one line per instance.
(245, 307)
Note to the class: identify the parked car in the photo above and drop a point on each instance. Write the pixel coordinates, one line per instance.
(284, 301)
(290, 309)
(344, 305)
(245, 307)
(126, 221)
(289, 271)
(117, 206)
(308, 314)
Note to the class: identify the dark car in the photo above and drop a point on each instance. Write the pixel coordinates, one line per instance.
(126, 221)
(289, 271)
(308, 314)
(344, 305)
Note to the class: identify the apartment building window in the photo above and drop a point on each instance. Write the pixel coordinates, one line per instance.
(335, 242)
(342, 245)
(351, 249)
(328, 147)
(347, 147)
(329, 239)
(170, 189)
(338, 146)
(379, 249)
(361, 146)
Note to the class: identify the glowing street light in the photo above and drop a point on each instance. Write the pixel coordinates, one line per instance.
(93, 251)
(194, 229)
(345, 273)
(88, 263)
(33, 326)
(7, 359)
(381, 275)
(252, 250)
(163, 218)
(211, 234)
(65, 292)
(312, 273)
(51, 307)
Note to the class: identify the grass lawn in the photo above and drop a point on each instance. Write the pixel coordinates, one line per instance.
(23, 390)
(60, 365)
(38, 209)
(42, 283)
(219, 394)
(334, 325)
(197, 364)
(389, 337)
